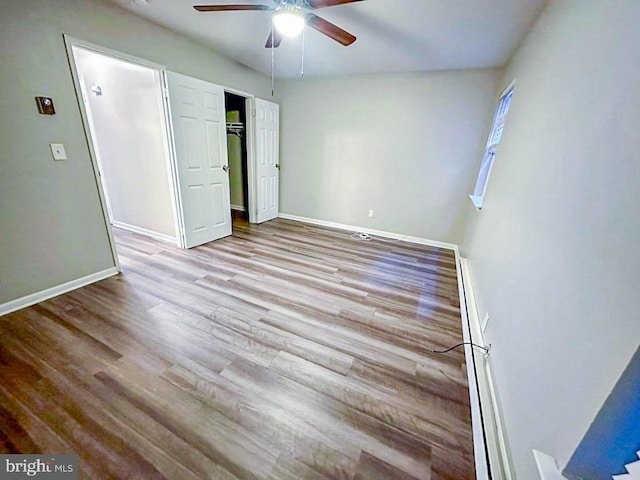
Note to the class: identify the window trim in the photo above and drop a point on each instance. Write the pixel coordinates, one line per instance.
(491, 148)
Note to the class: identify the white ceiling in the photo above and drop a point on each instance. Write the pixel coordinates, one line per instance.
(393, 35)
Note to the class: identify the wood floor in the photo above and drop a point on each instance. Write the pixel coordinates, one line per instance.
(285, 352)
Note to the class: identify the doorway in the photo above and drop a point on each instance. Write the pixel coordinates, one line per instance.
(123, 101)
(237, 152)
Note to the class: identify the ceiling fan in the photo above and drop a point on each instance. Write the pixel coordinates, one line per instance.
(289, 19)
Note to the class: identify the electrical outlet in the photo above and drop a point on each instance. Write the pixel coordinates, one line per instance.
(485, 322)
(370, 213)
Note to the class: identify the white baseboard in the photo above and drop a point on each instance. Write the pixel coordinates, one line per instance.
(547, 466)
(487, 415)
(379, 233)
(143, 231)
(240, 208)
(43, 295)
(477, 424)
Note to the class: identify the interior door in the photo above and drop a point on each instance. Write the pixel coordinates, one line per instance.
(268, 159)
(200, 137)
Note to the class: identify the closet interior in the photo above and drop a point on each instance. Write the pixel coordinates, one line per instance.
(237, 150)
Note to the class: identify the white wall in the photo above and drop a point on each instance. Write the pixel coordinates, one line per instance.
(553, 253)
(51, 226)
(405, 146)
(128, 122)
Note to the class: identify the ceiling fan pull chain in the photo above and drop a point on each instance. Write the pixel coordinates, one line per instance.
(273, 60)
(302, 57)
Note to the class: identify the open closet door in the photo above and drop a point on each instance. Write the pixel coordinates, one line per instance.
(200, 136)
(267, 155)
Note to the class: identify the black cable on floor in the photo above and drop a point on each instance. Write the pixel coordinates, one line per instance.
(486, 349)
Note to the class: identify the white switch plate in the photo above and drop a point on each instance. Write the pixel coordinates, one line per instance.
(370, 213)
(57, 149)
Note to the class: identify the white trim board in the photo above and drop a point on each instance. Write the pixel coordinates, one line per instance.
(143, 231)
(240, 208)
(497, 451)
(43, 295)
(477, 423)
(78, 42)
(379, 233)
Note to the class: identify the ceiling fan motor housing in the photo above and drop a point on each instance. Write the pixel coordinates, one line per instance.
(292, 5)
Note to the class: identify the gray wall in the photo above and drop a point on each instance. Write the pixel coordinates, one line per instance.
(405, 146)
(51, 226)
(553, 254)
(128, 122)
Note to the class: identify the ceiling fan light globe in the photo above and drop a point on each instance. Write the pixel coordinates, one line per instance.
(289, 24)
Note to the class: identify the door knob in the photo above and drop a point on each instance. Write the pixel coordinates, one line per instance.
(277, 165)
(225, 168)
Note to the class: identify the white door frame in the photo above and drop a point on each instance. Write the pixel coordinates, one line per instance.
(250, 138)
(71, 42)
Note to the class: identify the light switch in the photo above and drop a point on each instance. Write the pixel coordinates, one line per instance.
(57, 149)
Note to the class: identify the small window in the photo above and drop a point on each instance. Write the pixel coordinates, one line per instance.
(495, 137)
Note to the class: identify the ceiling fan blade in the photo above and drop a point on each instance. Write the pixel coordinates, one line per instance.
(328, 3)
(229, 8)
(274, 37)
(329, 29)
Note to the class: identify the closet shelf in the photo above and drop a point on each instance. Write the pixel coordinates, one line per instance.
(235, 128)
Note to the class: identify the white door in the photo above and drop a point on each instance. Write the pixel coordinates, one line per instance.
(200, 135)
(268, 159)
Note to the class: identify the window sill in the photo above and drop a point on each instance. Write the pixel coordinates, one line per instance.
(477, 201)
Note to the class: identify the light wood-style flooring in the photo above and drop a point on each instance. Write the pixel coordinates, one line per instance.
(284, 352)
